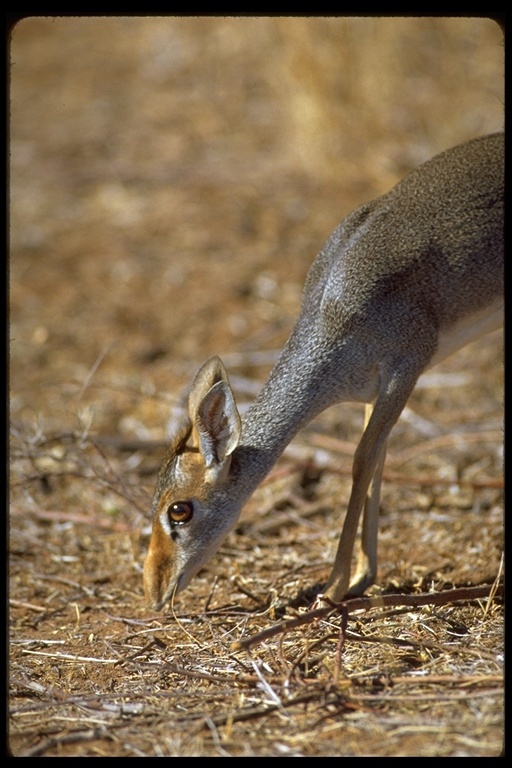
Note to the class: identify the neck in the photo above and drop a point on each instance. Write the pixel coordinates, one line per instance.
(287, 402)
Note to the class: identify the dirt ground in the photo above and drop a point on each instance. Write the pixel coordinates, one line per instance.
(171, 180)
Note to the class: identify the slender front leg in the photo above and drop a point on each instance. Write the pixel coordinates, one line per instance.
(366, 570)
(368, 460)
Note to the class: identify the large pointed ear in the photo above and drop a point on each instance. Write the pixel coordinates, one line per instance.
(214, 414)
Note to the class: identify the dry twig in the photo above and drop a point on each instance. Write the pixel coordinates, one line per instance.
(365, 604)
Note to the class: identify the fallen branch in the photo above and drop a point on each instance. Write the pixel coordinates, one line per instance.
(365, 604)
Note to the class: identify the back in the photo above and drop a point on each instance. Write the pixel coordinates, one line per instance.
(434, 242)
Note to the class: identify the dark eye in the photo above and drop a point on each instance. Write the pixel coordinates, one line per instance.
(180, 513)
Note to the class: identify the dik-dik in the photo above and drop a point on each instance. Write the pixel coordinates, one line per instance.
(403, 282)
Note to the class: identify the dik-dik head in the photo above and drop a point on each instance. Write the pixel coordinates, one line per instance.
(192, 511)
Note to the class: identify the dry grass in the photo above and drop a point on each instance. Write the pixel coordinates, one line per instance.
(171, 180)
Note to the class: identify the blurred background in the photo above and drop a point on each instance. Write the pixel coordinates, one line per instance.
(171, 180)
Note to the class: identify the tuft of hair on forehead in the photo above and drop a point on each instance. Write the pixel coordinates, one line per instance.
(179, 438)
(177, 445)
